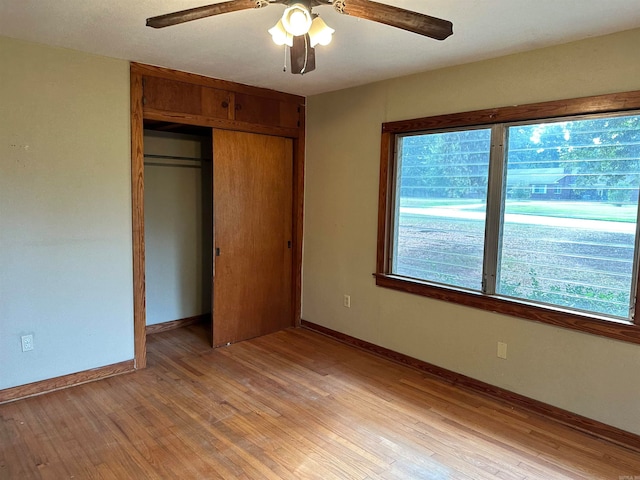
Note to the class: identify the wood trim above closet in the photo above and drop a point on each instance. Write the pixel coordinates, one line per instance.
(191, 99)
(195, 79)
(202, 120)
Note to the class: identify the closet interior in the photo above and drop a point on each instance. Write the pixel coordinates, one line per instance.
(178, 220)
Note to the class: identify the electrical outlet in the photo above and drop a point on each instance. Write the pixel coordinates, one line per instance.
(347, 301)
(27, 342)
(502, 350)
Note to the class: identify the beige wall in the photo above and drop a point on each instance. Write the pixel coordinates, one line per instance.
(589, 375)
(65, 212)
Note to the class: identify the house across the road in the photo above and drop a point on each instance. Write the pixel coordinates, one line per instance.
(539, 184)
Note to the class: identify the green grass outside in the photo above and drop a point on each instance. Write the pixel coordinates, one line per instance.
(581, 210)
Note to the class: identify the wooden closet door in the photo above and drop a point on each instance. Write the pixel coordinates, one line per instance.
(252, 191)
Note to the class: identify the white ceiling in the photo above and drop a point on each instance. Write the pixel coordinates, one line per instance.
(237, 47)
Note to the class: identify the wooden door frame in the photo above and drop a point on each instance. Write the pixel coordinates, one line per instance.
(137, 206)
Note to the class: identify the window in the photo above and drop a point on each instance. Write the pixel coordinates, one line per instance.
(440, 206)
(515, 212)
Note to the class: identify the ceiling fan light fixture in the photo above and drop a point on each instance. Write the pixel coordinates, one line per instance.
(301, 29)
(280, 36)
(296, 19)
(320, 33)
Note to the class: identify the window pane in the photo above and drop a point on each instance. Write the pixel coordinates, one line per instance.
(570, 212)
(440, 207)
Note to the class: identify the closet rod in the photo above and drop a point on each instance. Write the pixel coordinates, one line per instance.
(175, 157)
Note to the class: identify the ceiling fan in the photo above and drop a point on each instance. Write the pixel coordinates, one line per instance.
(301, 29)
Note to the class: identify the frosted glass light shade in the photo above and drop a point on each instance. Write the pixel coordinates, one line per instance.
(280, 36)
(320, 33)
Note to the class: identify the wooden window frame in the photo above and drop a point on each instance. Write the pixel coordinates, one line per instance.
(612, 103)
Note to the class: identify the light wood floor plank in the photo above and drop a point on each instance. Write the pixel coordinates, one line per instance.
(291, 405)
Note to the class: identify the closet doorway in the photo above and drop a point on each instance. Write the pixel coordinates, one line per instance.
(178, 225)
(218, 230)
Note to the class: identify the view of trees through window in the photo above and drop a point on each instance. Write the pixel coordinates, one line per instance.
(567, 213)
(442, 192)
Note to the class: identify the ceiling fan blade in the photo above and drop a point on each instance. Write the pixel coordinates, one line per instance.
(202, 12)
(303, 55)
(397, 17)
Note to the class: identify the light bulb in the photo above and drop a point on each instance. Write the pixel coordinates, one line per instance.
(296, 19)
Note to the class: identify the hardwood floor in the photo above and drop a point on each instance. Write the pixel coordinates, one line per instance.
(293, 405)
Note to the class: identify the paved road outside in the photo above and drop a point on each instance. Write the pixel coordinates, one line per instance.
(462, 212)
